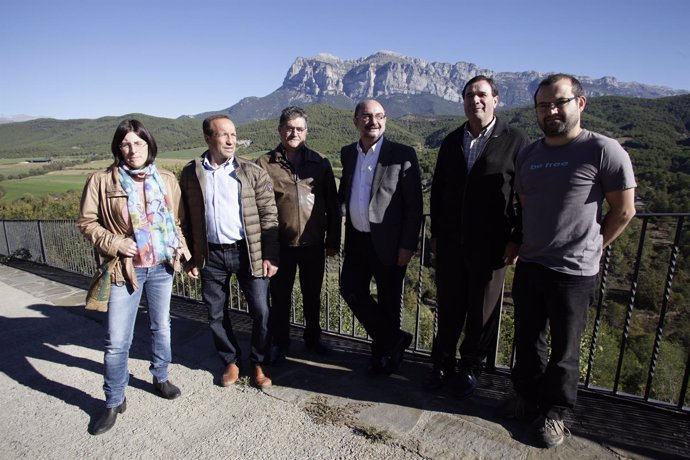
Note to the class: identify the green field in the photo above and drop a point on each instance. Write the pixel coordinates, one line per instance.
(181, 154)
(71, 178)
(74, 177)
(11, 169)
(42, 185)
(16, 166)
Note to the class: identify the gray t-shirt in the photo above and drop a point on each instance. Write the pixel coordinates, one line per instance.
(563, 189)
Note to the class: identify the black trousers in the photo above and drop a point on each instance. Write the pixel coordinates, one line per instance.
(311, 261)
(380, 316)
(470, 298)
(547, 299)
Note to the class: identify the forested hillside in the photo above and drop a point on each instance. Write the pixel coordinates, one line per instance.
(49, 138)
(656, 133)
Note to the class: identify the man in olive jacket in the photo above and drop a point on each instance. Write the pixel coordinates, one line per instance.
(309, 229)
(231, 226)
(475, 233)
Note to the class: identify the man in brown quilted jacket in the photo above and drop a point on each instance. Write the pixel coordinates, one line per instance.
(231, 226)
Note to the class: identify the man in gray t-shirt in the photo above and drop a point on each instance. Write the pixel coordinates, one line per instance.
(562, 181)
(564, 187)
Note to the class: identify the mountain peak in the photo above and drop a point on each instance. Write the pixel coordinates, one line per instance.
(386, 55)
(326, 57)
(409, 85)
(387, 73)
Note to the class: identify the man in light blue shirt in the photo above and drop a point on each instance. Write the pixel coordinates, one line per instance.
(231, 223)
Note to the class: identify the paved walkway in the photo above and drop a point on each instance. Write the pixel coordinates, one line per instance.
(317, 409)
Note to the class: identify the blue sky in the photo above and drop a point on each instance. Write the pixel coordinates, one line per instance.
(92, 58)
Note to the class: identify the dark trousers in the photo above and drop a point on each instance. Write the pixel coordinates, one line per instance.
(215, 290)
(311, 261)
(545, 298)
(381, 316)
(468, 297)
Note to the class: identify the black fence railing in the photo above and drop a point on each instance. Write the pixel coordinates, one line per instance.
(637, 345)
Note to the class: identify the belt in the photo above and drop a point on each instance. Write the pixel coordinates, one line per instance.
(236, 245)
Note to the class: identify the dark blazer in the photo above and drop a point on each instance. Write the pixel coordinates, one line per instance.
(395, 207)
(473, 215)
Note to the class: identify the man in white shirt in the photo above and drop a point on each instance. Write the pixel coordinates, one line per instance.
(381, 194)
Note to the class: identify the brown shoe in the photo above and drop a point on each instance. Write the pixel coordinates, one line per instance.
(259, 379)
(230, 376)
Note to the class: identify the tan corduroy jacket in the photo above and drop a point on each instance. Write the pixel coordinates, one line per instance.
(101, 219)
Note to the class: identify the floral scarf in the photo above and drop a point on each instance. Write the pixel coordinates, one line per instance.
(154, 224)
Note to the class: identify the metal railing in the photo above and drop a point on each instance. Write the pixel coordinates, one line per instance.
(626, 298)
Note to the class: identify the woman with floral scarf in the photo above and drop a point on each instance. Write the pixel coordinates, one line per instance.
(130, 212)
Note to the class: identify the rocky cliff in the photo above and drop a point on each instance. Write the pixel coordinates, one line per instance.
(409, 84)
(386, 73)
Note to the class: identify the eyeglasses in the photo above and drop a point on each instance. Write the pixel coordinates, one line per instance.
(296, 129)
(367, 117)
(559, 104)
(124, 146)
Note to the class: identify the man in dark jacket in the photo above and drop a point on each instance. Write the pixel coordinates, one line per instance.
(474, 234)
(309, 228)
(381, 194)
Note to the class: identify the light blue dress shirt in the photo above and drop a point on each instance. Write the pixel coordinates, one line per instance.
(223, 205)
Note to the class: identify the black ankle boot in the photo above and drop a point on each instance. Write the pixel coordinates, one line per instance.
(166, 389)
(107, 420)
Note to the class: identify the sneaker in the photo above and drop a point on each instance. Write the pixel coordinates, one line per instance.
(551, 432)
(516, 408)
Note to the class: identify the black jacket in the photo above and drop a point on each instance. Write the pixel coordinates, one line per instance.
(473, 216)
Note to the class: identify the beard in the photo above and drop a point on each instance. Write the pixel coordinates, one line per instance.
(555, 126)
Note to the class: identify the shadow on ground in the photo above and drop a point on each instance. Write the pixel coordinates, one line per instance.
(305, 377)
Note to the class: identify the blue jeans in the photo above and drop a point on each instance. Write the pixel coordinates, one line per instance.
(122, 314)
(215, 290)
(547, 299)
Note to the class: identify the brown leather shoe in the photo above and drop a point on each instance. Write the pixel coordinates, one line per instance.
(230, 376)
(259, 379)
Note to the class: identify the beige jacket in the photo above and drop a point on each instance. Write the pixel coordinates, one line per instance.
(101, 220)
(259, 213)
